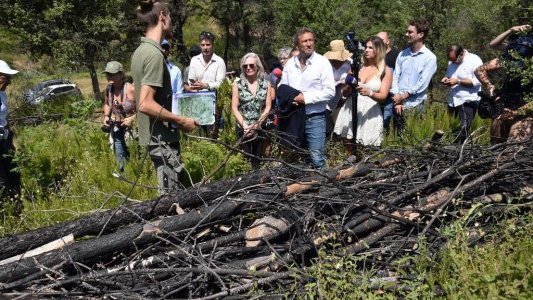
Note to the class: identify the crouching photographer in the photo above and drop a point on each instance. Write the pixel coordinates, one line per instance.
(510, 107)
(119, 110)
(9, 177)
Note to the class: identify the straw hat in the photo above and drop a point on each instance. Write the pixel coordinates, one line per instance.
(337, 52)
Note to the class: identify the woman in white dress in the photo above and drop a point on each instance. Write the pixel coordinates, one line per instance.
(375, 80)
(374, 84)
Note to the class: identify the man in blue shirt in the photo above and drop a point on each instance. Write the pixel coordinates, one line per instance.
(414, 69)
(175, 72)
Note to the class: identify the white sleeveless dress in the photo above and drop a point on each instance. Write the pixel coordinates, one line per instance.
(369, 116)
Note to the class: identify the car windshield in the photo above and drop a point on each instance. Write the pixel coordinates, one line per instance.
(42, 92)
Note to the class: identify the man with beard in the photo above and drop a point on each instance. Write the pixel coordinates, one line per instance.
(206, 73)
(153, 95)
(207, 70)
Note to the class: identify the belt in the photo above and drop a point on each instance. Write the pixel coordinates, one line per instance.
(315, 114)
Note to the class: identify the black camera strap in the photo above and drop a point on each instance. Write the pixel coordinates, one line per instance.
(112, 98)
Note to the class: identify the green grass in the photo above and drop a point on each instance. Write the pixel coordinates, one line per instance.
(500, 268)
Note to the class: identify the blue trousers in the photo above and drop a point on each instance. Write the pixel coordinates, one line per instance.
(315, 135)
(119, 146)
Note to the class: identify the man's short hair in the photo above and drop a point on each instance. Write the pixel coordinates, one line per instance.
(206, 35)
(301, 32)
(421, 25)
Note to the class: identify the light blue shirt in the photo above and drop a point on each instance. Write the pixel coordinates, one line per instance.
(3, 108)
(175, 78)
(412, 74)
(315, 81)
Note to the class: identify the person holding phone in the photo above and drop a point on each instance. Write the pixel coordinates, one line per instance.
(207, 70)
(463, 87)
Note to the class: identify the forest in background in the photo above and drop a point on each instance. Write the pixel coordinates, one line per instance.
(83, 35)
(66, 162)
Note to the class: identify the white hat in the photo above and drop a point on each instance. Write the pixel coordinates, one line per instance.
(5, 69)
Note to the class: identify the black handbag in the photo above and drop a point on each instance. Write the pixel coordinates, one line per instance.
(489, 107)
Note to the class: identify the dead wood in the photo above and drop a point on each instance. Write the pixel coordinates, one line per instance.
(107, 221)
(382, 207)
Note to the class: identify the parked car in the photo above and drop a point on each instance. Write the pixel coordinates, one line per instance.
(49, 89)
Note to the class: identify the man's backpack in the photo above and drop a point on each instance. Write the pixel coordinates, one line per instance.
(521, 45)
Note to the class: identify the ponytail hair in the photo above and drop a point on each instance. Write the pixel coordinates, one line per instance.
(148, 11)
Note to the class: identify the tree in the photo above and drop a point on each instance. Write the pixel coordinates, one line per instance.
(72, 32)
(329, 19)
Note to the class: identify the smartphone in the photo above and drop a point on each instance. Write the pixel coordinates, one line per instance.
(192, 81)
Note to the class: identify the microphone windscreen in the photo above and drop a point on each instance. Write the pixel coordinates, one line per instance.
(277, 72)
(350, 79)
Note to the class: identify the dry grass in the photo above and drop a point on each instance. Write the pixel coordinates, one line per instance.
(83, 80)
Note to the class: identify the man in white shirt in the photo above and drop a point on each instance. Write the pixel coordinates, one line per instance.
(206, 73)
(207, 70)
(464, 86)
(311, 74)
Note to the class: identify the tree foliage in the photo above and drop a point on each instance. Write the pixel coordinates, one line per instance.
(64, 28)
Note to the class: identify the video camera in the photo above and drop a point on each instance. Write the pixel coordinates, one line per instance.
(352, 45)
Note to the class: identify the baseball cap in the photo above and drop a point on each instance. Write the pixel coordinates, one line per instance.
(113, 67)
(5, 69)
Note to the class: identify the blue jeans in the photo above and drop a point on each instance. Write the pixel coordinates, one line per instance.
(315, 135)
(119, 146)
(386, 110)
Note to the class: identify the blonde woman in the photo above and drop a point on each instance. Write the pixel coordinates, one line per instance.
(249, 105)
(375, 80)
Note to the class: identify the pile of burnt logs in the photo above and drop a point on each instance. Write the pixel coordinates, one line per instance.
(259, 231)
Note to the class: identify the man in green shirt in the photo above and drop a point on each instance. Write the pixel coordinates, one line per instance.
(153, 95)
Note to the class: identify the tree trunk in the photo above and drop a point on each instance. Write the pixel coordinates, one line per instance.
(179, 16)
(94, 223)
(226, 46)
(134, 235)
(90, 50)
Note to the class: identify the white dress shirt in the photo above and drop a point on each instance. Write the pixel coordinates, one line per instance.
(315, 81)
(459, 94)
(212, 73)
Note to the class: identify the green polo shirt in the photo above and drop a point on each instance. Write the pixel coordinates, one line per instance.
(148, 68)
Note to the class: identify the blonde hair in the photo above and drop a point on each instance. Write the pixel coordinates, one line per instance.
(260, 69)
(381, 50)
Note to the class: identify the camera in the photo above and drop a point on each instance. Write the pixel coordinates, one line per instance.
(109, 125)
(489, 107)
(352, 44)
